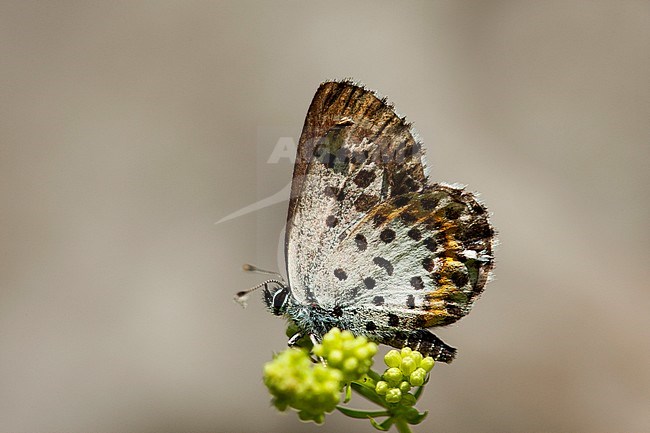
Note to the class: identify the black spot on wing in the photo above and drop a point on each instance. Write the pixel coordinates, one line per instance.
(428, 264)
(415, 234)
(417, 283)
(410, 301)
(331, 221)
(340, 274)
(379, 219)
(429, 203)
(378, 300)
(459, 278)
(478, 208)
(365, 202)
(369, 283)
(393, 320)
(370, 326)
(479, 229)
(431, 244)
(330, 191)
(334, 192)
(364, 178)
(383, 263)
(361, 241)
(387, 235)
(453, 211)
(408, 218)
(401, 201)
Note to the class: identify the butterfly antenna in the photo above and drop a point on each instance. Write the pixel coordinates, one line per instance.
(251, 268)
(242, 297)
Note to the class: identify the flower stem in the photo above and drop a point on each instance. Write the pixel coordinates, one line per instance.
(402, 426)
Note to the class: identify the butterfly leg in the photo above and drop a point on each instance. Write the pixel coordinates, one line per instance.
(315, 340)
(297, 336)
(424, 342)
(294, 339)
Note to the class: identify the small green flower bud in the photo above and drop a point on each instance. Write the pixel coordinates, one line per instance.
(362, 352)
(318, 350)
(418, 376)
(393, 358)
(408, 365)
(393, 375)
(406, 351)
(382, 387)
(332, 337)
(350, 365)
(334, 358)
(417, 357)
(394, 395)
(427, 363)
(404, 386)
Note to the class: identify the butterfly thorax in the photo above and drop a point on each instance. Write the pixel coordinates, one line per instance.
(311, 317)
(314, 319)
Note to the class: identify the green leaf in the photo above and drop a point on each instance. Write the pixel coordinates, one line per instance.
(384, 426)
(361, 414)
(348, 393)
(370, 394)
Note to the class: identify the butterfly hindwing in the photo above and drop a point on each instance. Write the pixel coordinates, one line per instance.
(427, 255)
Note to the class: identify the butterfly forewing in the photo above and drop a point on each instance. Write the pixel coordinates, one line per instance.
(354, 153)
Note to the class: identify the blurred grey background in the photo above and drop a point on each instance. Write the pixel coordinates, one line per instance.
(127, 129)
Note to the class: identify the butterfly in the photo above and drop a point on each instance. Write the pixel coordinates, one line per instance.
(372, 246)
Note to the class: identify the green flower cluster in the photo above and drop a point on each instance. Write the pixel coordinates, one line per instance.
(314, 389)
(406, 369)
(295, 381)
(347, 353)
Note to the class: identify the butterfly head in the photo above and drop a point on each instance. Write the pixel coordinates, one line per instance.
(277, 298)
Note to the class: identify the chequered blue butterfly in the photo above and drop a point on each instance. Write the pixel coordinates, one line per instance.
(371, 245)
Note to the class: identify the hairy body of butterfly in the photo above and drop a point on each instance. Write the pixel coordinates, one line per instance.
(372, 246)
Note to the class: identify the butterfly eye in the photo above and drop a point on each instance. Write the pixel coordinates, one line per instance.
(280, 301)
(276, 299)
